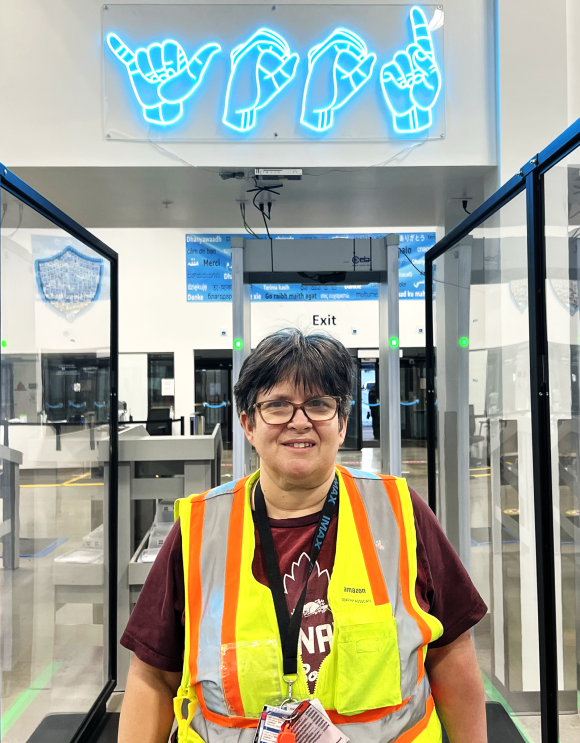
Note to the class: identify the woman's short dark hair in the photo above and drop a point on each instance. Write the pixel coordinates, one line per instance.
(316, 363)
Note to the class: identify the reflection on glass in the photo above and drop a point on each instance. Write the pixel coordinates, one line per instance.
(213, 385)
(54, 407)
(485, 483)
(562, 276)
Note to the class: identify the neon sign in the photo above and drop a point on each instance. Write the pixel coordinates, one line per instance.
(411, 82)
(162, 77)
(261, 68)
(400, 96)
(343, 58)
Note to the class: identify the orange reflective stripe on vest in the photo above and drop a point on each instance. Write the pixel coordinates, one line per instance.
(231, 600)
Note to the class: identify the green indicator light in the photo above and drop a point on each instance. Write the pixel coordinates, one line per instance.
(464, 342)
(4, 344)
(238, 343)
(394, 342)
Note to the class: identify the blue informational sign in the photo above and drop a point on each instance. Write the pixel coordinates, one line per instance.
(310, 293)
(412, 249)
(209, 275)
(208, 260)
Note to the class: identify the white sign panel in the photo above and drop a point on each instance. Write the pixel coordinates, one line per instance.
(167, 387)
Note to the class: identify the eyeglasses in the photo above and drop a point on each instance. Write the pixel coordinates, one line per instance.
(275, 412)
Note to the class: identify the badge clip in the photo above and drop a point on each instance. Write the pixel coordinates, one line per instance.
(291, 679)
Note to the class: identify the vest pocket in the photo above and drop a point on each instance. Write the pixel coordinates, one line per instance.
(250, 676)
(368, 665)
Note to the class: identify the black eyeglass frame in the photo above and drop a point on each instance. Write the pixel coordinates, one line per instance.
(299, 406)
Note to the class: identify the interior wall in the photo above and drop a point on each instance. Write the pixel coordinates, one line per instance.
(155, 318)
(51, 56)
(573, 34)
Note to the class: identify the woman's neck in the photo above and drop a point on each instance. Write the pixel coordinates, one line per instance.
(291, 502)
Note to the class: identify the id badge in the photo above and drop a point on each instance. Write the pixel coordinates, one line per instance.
(271, 721)
(309, 723)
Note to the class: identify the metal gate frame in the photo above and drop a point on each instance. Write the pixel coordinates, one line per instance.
(531, 180)
(27, 195)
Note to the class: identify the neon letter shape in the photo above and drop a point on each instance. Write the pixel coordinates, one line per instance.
(411, 82)
(161, 75)
(261, 67)
(337, 68)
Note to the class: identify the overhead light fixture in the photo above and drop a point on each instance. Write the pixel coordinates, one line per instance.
(278, 174)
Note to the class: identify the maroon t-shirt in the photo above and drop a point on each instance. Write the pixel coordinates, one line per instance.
(155, 631)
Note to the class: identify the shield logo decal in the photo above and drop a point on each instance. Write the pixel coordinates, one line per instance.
(70, 281)
(519, 294)
(566, 292)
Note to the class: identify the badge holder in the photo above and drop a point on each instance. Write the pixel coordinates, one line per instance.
(309, 723)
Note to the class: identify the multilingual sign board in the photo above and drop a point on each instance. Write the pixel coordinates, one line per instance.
(262, 72)
(208, 267)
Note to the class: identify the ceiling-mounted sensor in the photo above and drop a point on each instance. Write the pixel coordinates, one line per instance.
(278, 174)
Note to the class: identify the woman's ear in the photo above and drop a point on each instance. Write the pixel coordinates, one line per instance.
(248, 426)
(342, 428)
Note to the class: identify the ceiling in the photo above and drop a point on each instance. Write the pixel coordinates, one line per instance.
(327, 198)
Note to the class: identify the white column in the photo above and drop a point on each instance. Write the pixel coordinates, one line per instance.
(242, 452)
(184, 384)
(453, 277)
(389, 375)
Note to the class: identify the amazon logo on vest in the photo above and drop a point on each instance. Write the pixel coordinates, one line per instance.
(166, 78)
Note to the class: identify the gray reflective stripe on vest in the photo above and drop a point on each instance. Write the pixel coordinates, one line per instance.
(385, 533)
(386, 730)
(213, 578)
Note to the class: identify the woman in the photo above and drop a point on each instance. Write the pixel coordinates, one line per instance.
(304, 581)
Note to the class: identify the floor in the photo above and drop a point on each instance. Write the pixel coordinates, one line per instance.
(52, 638)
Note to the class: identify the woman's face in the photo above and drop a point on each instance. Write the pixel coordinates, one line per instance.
(289, 465)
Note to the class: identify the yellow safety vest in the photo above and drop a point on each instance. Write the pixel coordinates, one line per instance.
(372, 684)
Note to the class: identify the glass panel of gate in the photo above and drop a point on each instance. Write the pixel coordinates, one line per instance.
(485, 484)
(562, 211)
(54, 409)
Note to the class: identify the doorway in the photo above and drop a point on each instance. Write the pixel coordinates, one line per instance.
(213, 391)
(370, 403)
(413, 397)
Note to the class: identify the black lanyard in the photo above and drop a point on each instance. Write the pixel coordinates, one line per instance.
(289, 626)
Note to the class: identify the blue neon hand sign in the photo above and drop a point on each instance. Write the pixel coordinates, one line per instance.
(411, 82)
(261, 68)
(337, 68)
(161, 75)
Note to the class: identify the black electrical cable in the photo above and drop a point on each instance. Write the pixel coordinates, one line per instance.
(21, 214)
(265, 217)
(402, 252)
(436, 281)
(247, 227)
(258, 191)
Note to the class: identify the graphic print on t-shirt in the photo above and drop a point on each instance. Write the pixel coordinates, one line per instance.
(317, 623)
